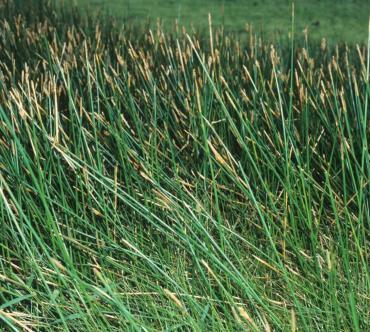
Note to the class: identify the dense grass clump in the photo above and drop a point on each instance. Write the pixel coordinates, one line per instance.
(164, 181)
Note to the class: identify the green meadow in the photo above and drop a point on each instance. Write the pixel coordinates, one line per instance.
(335, 20)
(154, 179)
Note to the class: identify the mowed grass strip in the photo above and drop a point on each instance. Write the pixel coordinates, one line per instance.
(152, 181)
(335, 20)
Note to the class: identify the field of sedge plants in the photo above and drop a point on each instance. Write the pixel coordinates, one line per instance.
(156, 180)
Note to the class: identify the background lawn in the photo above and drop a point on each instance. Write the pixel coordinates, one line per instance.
(337, 20)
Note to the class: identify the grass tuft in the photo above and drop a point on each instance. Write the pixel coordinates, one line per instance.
(152, 180)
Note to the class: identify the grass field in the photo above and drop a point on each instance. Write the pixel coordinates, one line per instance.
(336, 20)
(189, 182)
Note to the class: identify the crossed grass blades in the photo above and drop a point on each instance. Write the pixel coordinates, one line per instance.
(157, 180)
